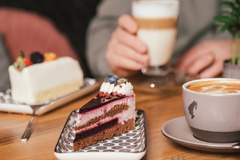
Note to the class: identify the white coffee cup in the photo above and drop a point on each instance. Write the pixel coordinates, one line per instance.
(157, 27)
(212, 112)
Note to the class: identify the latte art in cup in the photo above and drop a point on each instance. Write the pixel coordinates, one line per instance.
(211, 107)
(216, 87)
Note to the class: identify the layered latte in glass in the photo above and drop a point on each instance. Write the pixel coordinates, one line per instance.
(157, 27)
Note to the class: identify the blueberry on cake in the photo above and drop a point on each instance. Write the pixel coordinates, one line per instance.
(109, 114)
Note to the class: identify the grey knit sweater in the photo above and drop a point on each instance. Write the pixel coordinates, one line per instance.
(194, 26)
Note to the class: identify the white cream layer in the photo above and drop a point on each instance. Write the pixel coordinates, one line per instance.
(124, 88)
(42, 76)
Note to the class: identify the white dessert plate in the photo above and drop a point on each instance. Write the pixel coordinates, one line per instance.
(127, 146)
(179, 132)
(8, 105)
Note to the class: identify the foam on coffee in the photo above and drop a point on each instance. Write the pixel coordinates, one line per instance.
(146, 9)
(216, 87)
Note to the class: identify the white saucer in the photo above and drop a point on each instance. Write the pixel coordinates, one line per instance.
(178, 131)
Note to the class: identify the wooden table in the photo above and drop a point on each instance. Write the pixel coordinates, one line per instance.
(159, 107)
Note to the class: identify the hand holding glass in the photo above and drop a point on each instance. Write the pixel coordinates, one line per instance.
(157, 27)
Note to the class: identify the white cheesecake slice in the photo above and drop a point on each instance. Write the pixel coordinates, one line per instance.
(45, 81)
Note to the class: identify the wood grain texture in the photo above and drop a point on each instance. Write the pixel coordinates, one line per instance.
(159, 108)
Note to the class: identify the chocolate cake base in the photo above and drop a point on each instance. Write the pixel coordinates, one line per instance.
(105, 134)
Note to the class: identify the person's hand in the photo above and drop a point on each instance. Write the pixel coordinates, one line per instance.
(126, 54)
(205, 59)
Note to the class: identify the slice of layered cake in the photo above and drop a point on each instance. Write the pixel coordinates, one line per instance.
(43, 78)
(109, 114)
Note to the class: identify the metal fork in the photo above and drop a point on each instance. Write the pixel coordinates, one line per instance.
(28, 130)
(178, 158)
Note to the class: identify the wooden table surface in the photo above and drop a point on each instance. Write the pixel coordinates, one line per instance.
(160, 105)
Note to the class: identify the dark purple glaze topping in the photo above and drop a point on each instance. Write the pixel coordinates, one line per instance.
(96, 130)
(98, 101)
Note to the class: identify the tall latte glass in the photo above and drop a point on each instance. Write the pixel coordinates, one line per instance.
(157, 27)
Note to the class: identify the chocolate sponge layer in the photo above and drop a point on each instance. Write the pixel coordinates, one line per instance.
(114, 130)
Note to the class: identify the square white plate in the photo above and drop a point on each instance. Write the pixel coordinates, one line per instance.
(127, 146)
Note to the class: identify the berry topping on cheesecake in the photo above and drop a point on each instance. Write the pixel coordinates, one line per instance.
(37, 57)
(50, 56)
(22, 62)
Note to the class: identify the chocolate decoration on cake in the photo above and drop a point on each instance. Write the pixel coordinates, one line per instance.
(98, 102)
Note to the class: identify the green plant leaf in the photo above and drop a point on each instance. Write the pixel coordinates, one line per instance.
(224, 28)
(229, 17)
(22, 55)
(225, 19)
(229, 4)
